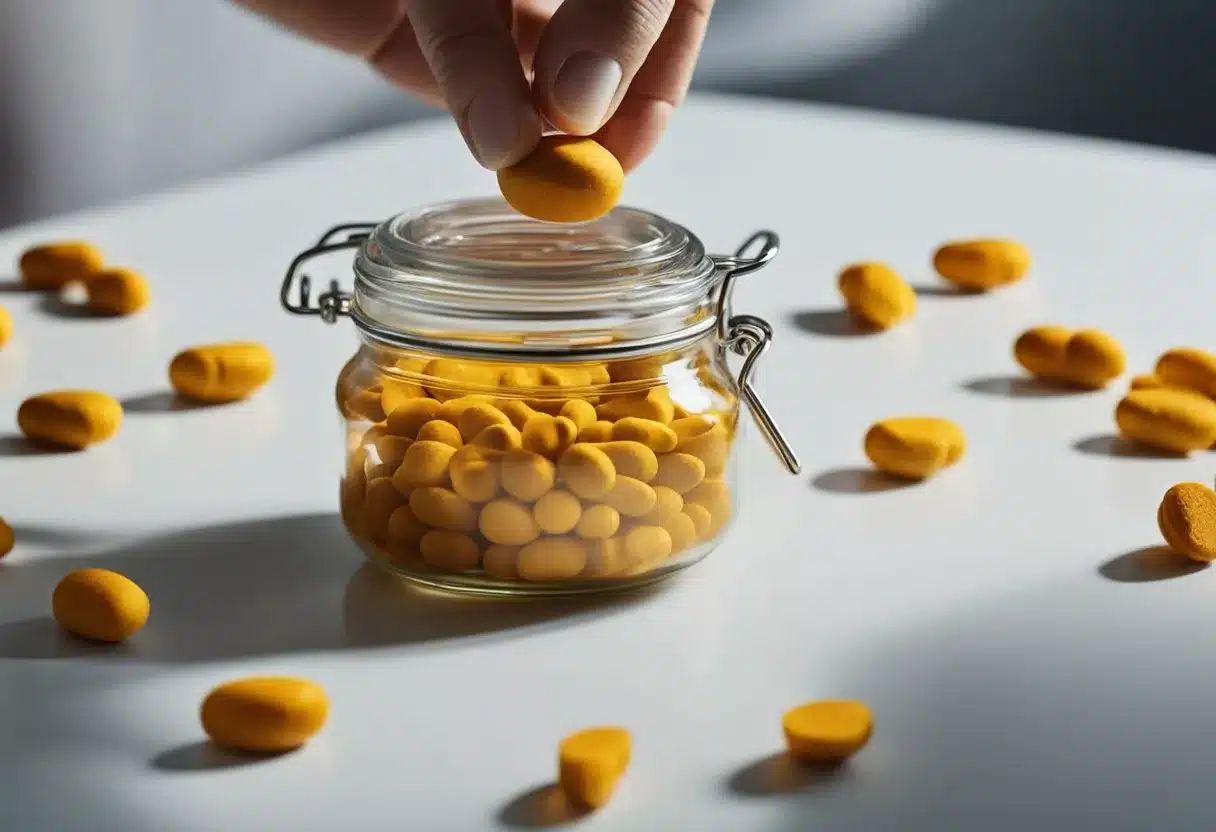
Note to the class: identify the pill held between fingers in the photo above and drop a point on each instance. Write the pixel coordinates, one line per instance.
(1188, 367)
(1176, 421)
(224, 372)
(117, 292)
(264, 714)
(7, 537)
(70, 418)
(830, 731)
(54, 265)
(982, 264)
(876, 295)
(99, 605)
(1187, 520)
(564, 179)
(914, 447)
(591, 763)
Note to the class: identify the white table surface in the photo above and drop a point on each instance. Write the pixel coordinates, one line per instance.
(1025, 670)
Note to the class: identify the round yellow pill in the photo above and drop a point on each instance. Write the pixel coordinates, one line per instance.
(564, 179)
(598, 522)
(508, 522)
(591, 763)
(876, 294)
(265, 714)
(1187, 519)
(827, 732)
(1188, 367)
(914, 447)
(99, 605)
(557, 512)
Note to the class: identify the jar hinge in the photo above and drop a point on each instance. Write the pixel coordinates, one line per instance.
(335, 302)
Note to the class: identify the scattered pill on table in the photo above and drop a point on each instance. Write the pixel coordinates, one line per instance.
(980, 265)
(591, 763)
(55, 265)
(564, 179)
(72, 419)
(265, 714)
(876, 295)
(6, 326)
(218, 373)
(1176, 421)
(7, 537)
(117, 292)
(1188, 367)
(914, 447)
(1187, 520)
(829, 731)
(99, 605)
(1085, 358)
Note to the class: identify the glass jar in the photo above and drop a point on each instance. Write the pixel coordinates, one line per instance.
(537, 408)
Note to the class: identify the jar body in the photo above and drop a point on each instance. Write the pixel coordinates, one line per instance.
(538, 478)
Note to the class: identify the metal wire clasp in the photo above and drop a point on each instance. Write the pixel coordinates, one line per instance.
(749, 336)
(335, 302)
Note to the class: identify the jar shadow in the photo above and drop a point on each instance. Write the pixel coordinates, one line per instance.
(265, 587)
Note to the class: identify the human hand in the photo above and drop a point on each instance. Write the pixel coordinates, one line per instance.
(614, 69)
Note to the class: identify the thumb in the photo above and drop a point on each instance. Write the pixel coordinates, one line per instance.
(588, 54)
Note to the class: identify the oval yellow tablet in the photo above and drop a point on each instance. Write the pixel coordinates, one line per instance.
(914, 447)
(265, 714)
(827, 732)
(1093, 359)
(216, 373)
(551, 559)
(70, 418)
(1177, 421)
(591, 763)
(982, 264)
(1187, 519)
(6, 326)
(508, 523)
(99, 605)
(876, 295)
(564, 179)
(117, 292)
(54, 265)
(1188, 367)
(1040, 350)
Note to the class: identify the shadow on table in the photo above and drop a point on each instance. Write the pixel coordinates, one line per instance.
(1020, 387)
(539, 808)
(779, 774)
(1149, 564)
(162, 401)
(15, 444)
(857, 481)
(831, 323)
(206, 756)
(1110, 445)
(272, 586)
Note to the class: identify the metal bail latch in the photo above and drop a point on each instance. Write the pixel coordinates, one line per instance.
(749, 336)
(335, 302)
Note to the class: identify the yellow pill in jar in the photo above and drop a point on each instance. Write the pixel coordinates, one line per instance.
(630, 497)
(564, 179)
(876, 294)
(451, 409)
(70, 418)
(1188, 367)
(365, 404)
(527, 476)
(1176, 421)
(646, 547)
(654, 404)
(982, 264)
(379, 503)
(452, 378)
(474, 473)
(827, 732)
(396, 393)
(476, 418)
(437, 430)
(548, 435)
(391, 449)
(702, 520)
(499, 438)
(914, 447)
(500, 561)
(517, 411)
(508, 522)
(443, 509)
(54, 265)
(265, 714)
(519, 378)
(605, 558)
(551, 559)
(596, 432)
(450, 550)
(404, 528)
(117, 292)
(591, 763)
(580, 412)
(224, 372)
(598, 522)
(706, 440)
(683, 532)
(425, 463)
(631, 459)
(410, 416)
(679, 472)
(1187, 520)
(99, 605)
(668, 503)
(656, 436)
(7, 538)
(587, 471)
(557, 512)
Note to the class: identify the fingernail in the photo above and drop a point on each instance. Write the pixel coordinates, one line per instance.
(584, 88)
(500, 130)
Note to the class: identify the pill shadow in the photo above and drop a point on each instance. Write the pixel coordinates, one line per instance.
(17, 445)
(265, 587)
(1019, 387)
(945, 292)
(55, 305)
(858, 481)
(14, 286)
(540, 807)
(50, 537)
(1111, 445)
(830, 323)
(1149, 564)
(780, 774)
(206, 756)
(162, 401)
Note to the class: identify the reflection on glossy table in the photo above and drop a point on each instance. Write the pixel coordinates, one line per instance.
(1029, 666)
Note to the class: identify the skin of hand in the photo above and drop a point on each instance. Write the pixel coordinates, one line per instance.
(612, 69)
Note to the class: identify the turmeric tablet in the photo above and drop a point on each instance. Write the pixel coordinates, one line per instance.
(1177, 421)
(1187, 519)
(264, 714)
(564, 179)
(1040, 350)
(54, 265)
(591, 763)
(508, 523)
(551, 559)
(223, 372)
(117, 292)
(1086, 358)
(70, 418)
(7, 538)
(6, 326)
(982, 264)
(827, 732)
(99, 605)
(1188, 367)
(876, 295)
(914, 447)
